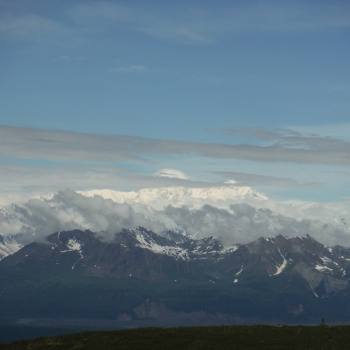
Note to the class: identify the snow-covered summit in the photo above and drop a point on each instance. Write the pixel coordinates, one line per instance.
(158, 198)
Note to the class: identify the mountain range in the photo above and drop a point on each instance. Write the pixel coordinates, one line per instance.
(79, 278)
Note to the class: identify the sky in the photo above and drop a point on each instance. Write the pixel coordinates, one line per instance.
(132, 94)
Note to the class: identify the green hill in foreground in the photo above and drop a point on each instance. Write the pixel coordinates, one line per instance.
(236, 337)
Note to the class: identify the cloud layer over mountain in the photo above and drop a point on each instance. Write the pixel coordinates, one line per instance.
(197, 212)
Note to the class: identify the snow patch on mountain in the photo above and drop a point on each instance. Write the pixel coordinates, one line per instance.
(151, 245)
(73, 245)
(323, 268)
(280, 268)
(8, 246)
(239, 271)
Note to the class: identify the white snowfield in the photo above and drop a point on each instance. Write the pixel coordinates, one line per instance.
(322, 268)
(8, 247)
(159, 198)
(280, 268)
(176, 252)
(74, 245)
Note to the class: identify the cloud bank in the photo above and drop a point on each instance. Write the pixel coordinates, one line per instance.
(233, 221)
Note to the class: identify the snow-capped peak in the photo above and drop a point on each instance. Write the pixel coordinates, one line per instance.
(177, 196)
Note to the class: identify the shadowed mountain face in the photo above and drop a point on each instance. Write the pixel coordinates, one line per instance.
(141, 278)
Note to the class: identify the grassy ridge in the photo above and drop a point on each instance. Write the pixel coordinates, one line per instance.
(233, 338)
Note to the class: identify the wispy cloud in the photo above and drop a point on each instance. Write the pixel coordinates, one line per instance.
(29, 25)
(205, 26)
(241, 178)
(165, 23)
(291, 139)
(23, 181)
(37, 161)
(189, 23)
(172, 174)
(61, 145)
(130, 68)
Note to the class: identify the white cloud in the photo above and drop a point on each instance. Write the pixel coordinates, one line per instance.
(233, 217)
(230, 182)
(171, 173)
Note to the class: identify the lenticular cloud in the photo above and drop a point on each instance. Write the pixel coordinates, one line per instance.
(172, 173)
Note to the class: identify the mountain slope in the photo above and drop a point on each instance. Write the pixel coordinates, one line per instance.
(142, 278)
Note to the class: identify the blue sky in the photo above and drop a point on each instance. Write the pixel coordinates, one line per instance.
(185, 71)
